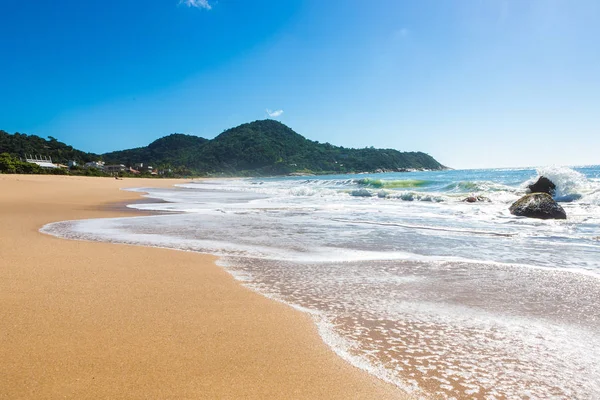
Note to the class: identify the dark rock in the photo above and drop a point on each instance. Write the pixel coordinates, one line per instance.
(538, 205)
(543, 185)
(361, 193)
(475, 199)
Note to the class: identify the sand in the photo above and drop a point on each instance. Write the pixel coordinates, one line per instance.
(98, 320)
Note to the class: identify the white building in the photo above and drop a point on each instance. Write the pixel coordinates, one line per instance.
(115, 168)
(94, 164)
(143, 167)
(44, 162)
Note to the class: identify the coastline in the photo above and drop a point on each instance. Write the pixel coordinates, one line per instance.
(95, 320)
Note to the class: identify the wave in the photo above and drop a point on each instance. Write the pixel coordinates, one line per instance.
(393, 184)
(418, 196)
(428, 227)
(571, 185)
(427, 190)
(478, 186)
(400, 195)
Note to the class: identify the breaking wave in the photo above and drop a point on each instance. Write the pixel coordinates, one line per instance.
(392, 184)
(571, 185)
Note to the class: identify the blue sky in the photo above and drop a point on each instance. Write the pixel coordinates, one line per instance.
(474, 83)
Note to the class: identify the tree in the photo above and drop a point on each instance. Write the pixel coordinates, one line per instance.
(7, 164)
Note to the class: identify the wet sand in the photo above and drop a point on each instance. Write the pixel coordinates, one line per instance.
(98, 320)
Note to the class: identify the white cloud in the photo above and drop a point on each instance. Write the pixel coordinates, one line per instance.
(274, 114)
(196, 3)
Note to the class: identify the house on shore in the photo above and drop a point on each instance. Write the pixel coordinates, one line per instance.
(94, 164)
(115, 168)
(143, 167)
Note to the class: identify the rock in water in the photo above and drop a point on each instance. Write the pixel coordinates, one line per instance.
(475, 199)
(538, 205)
(543, 185)
(361, 193)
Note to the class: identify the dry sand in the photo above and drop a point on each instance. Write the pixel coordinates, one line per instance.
(97, 320)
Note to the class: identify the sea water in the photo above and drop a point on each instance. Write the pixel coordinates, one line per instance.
(444, 298)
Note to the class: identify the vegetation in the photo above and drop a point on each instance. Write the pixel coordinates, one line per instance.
(269, 147)
(13, 165)
(167, 151)
(22, 145)
(264, 147)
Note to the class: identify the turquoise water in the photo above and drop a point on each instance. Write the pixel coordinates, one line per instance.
(441, 297)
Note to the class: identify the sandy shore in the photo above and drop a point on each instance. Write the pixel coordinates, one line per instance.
(96, 320)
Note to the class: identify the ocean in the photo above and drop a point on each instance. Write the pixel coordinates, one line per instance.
(443, 298)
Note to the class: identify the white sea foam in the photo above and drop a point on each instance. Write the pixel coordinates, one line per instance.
(571, 185)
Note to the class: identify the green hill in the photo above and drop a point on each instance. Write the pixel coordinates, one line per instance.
(270, 147)
(21, 145)
(174, 150)
(264, 147)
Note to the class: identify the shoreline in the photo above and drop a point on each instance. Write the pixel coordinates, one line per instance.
(93, 320)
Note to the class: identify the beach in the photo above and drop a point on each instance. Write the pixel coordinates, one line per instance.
(401, 277)
(99, 320)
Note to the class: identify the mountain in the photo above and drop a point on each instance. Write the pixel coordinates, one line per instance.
(265, 147)
(22, 145)
(174, 150)
(270, 147)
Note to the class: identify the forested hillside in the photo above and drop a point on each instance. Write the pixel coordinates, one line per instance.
(174, 150)
(21, 145)
(264, 147)
(270, 147)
